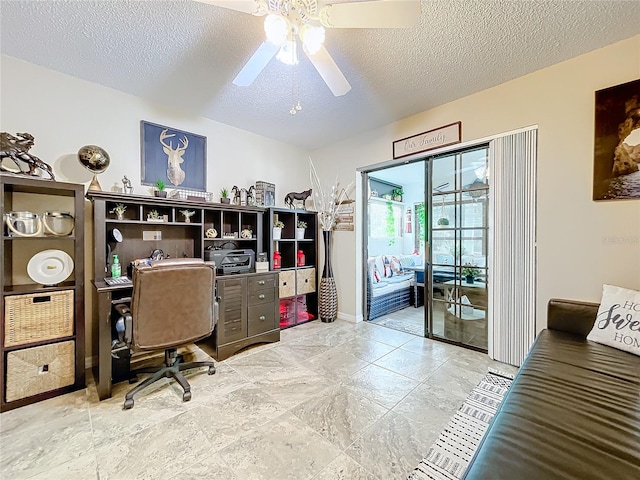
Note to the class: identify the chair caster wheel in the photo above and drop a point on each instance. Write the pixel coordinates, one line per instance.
(128, 404)
(212, 370)
(186, 396)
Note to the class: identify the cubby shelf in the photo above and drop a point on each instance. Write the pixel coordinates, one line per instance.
(27, 342)
(298, 284)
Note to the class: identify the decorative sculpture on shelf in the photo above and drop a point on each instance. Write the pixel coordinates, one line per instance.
(16, 148)
(291, 196)
(126, 183)
(96, 160)
(236, 195)
(242, 196)
(251, 195)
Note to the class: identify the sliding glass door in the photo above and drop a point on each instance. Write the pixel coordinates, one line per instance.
(457, 191)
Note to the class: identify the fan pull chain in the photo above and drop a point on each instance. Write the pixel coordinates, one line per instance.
(295, 92)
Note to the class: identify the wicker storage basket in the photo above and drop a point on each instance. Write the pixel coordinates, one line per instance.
(37, 316)
(287, 283)
(39, 369)
(305, 281)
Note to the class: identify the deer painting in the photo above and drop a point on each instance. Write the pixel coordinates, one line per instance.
(175, 174)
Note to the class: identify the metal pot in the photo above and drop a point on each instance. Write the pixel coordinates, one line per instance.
(23, 224)
(57, 223)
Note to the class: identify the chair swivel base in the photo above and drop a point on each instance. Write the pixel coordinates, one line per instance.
(172, 368)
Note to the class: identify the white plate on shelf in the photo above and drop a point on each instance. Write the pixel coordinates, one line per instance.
(50, 267)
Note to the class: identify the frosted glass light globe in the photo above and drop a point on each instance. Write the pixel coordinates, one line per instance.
(312, 38)
(276, 29)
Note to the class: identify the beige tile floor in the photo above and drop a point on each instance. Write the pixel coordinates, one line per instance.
(329, 401)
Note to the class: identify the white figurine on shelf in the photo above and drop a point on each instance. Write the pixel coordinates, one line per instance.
(127, 185)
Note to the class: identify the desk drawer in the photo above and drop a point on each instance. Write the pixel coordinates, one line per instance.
(261, 319)
(261, 282)
(261, 296)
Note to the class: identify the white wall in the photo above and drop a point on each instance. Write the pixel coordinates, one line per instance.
(64, 113)
(581, 243)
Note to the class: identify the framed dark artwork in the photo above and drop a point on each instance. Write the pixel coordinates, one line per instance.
(616, 152)
(176, 157)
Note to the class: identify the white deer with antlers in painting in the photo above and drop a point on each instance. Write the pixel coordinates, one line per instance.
(175, 174)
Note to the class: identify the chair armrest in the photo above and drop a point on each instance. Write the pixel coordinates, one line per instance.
(124, 325)
(571, 316)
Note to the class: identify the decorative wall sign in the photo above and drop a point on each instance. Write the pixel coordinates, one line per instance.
(616, 152)
(436, 138)
(344, 218)
(176, 157)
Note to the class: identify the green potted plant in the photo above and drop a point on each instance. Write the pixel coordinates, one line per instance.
(300, 228)
(277, 229)
(160, 189)
(397, 194)
(470, 272)
(443, 222)
(224, 196)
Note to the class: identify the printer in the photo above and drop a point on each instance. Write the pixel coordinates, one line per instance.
(231, 261)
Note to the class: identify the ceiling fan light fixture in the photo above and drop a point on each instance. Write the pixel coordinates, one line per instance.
(288, 53)
(312, 38)
(276, 29)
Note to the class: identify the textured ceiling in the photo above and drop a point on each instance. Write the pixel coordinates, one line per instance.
(185, 54)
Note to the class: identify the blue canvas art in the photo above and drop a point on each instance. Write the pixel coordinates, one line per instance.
(178, 158)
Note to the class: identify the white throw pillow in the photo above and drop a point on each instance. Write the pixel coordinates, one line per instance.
(618, 321)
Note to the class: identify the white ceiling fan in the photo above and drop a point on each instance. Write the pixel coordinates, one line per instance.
(287, 20)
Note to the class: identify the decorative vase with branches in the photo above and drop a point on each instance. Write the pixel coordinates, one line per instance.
(327, 201)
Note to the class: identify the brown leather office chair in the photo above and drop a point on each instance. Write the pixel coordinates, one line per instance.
(172, 304)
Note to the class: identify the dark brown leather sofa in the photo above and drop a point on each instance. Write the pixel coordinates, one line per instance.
(572, 412)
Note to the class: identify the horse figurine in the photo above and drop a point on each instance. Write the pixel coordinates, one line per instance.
(291, 196)
(236, 195)
(16, 148)
(251, 197)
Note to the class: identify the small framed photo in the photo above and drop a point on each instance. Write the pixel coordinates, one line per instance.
(176, 157)
(265, 193)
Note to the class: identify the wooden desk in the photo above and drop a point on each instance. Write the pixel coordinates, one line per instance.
(178, 237)
(248, 314)
(104, 299)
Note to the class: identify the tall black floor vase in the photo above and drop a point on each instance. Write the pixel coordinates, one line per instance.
(328, 300)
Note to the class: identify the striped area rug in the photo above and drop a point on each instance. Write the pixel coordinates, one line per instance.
(449, 457)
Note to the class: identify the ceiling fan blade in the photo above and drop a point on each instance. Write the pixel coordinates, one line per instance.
(330, 72)
(254, 7)
(256, 64)
(372, 14)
